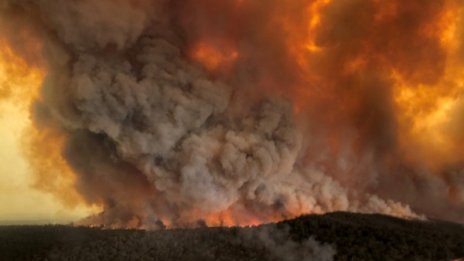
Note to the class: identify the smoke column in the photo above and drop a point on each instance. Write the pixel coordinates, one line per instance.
(237, 112)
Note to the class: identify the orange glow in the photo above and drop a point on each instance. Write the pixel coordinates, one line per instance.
(426, 112)
(379, 82)
(305, 50)
(214, 57)
(15, 72)
(425, 109)
(314, 13)
(334, 65)
(52, 174)
(19, 87)
(234, 217)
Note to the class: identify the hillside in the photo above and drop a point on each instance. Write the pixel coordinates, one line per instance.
(338, 236)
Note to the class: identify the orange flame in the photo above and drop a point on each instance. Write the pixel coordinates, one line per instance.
(429, 112)
(14, 73)
(19, 86)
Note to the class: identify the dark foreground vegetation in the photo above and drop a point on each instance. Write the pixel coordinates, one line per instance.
(338, 236)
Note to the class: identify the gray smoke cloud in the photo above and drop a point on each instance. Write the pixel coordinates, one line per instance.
(157, 139)
(178, 129)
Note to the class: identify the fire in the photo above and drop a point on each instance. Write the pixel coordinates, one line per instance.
(314, 13)
(424, 110)
(377, 89)
(52, 173)
(14, 73)
(428, 111)
(427, 103)
(19, 88)
(237, 217)
(309, 45)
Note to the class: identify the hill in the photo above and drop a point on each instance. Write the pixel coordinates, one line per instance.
(334, 236)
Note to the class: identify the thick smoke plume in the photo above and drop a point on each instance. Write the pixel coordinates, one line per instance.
(176, 113)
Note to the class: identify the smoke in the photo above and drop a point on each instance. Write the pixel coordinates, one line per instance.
(238, 112)
(279, 247)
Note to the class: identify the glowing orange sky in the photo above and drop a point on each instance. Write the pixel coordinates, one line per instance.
(20, 202)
